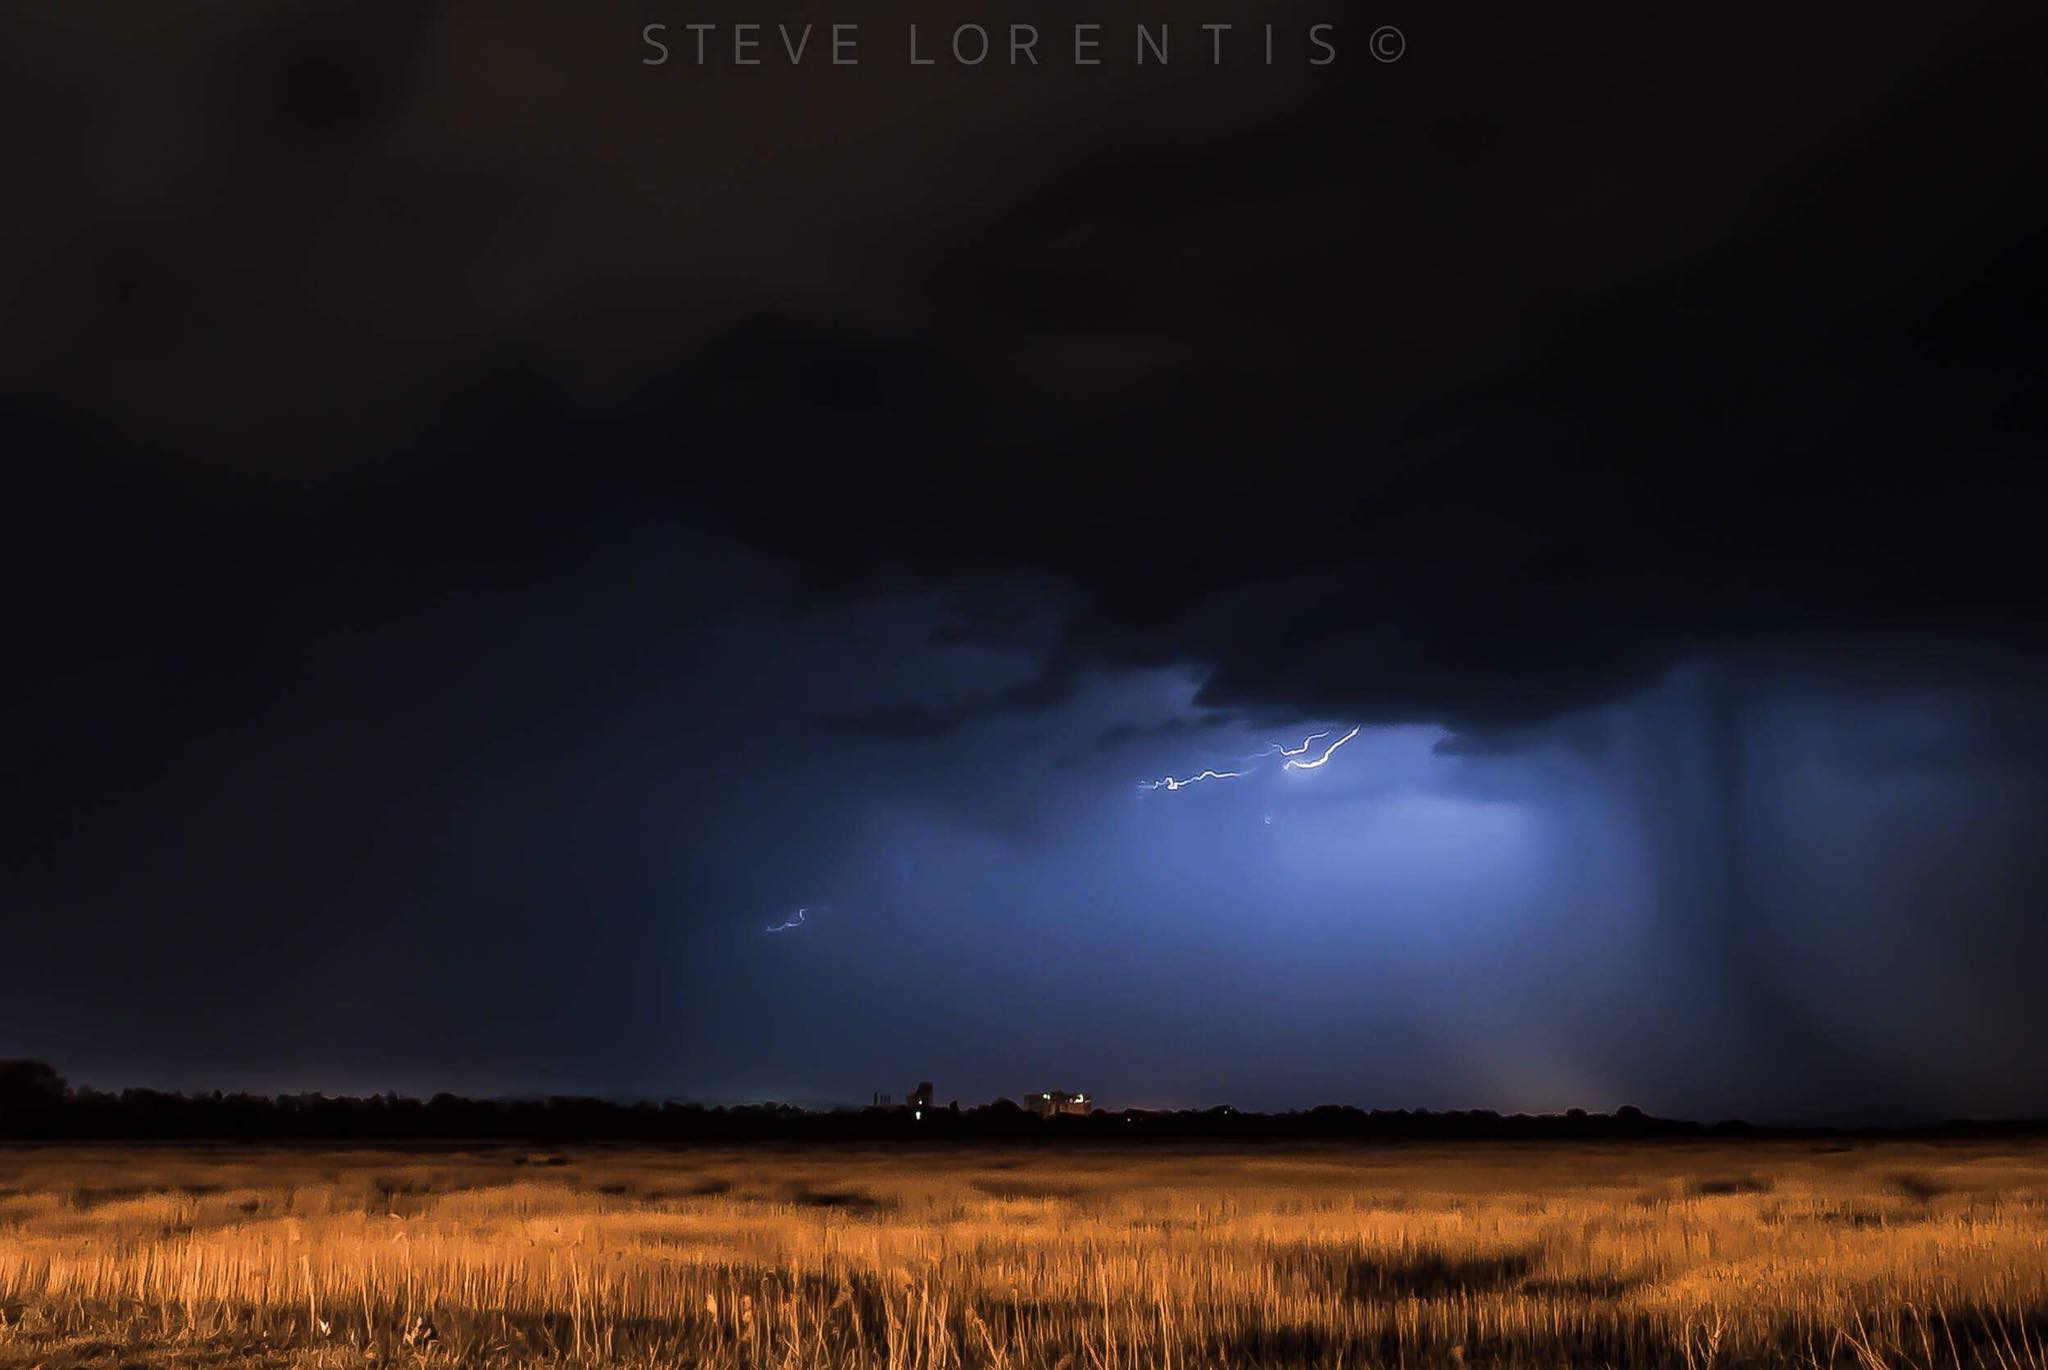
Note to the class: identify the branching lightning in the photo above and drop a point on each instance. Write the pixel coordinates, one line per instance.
(1328, 752)
(1275, 749)
(1297, 759)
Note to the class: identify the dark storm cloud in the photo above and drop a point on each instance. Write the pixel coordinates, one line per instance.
(902, 722)
(1760, 448)
(1050, 688)
(1167, 729)
(1478, 387)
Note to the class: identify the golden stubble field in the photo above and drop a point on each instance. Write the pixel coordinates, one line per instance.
(1630, 1255)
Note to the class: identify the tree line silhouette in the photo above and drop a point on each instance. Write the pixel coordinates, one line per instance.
(37, 1104)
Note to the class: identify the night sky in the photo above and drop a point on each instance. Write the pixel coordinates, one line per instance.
(498, 528)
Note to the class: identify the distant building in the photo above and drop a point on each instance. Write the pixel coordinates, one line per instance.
(1058, 1102)
(920, 1099)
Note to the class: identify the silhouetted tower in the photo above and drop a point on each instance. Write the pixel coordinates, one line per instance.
(920, 1099)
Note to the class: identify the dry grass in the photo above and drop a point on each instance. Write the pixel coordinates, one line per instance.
(1641, 1255)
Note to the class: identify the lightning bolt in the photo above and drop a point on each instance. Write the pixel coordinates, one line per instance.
(1169, 783)
(1294, 762)
(796, 922)
(1328, 752)
(1274, 748)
